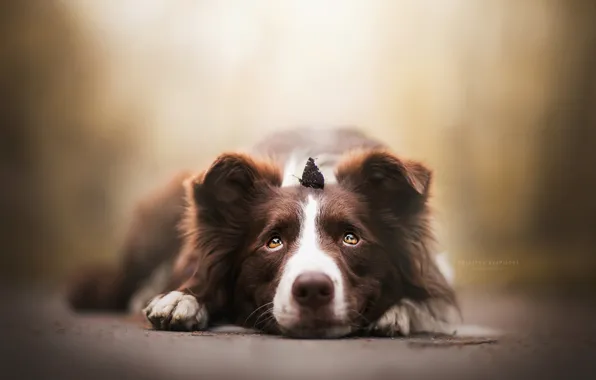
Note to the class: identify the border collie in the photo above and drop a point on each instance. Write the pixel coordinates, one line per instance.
(251, 242)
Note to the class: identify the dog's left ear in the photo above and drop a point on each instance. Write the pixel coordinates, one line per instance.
(397, 192)
(385, 179)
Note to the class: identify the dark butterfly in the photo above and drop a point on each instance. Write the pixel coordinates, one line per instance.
(312, 176)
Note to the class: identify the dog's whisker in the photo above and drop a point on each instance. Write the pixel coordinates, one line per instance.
(360, 315)
(256, 310)
(267, 322)
(267, 313)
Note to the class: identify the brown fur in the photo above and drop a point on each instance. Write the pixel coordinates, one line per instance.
(385, 198)
(152, 238)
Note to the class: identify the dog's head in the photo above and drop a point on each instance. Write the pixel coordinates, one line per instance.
(312, 262)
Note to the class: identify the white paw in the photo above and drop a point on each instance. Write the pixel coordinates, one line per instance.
(395, 321)
(408, 317)
(176, 311)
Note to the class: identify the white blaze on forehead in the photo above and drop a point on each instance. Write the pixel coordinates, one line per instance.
(308, 257)
(308, 243)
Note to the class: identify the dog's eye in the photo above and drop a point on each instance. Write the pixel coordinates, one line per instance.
(350, 239)
(274, 242)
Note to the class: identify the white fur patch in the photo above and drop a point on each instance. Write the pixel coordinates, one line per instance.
(445, 267)
(176, 310)
(410, 317)
(395, 321)
(308, 257)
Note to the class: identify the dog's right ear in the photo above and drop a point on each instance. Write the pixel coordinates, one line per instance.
(218, 218)
(387, 182)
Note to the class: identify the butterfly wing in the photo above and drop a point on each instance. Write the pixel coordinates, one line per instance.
(312, 176)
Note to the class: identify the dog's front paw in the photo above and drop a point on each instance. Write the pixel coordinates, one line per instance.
(408, 317)
(395, 322)
(176, 311)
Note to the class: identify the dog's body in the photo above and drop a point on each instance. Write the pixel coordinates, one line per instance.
(244, 242)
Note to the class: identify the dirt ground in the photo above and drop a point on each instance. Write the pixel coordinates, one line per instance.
(542, 337)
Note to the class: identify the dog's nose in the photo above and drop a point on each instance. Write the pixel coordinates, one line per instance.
(312, 289)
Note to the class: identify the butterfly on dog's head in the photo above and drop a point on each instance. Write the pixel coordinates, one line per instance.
(312, 176)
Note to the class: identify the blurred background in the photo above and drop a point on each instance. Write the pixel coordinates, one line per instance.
(100, 102)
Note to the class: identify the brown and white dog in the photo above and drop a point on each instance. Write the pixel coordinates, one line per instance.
(245, 243)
